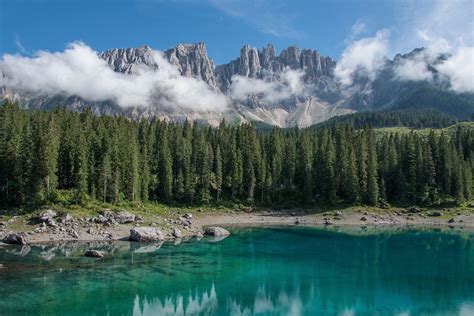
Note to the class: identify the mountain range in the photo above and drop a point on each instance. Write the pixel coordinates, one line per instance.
(297, 87)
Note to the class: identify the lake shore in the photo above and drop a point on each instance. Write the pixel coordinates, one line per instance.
(194, 222)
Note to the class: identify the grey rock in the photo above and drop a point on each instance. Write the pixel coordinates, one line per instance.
(327, 222)
(47, 215)
(146, 234)
(122, 217)
(100, 219)
(414, 210)
(94, 253)
(177, 233)
(451, 220)
(435, 214)
(67, 218)
(297, 221)
(363, 218)
(51, 222)
(148, 248)
(216, 231)
(16, 239)
(188, 216)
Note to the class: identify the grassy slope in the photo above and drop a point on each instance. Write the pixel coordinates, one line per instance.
(424, 131)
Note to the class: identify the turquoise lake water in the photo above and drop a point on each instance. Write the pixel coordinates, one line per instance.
(264, 271)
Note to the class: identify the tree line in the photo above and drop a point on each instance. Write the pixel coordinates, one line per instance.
(114, 159)
(421, 118)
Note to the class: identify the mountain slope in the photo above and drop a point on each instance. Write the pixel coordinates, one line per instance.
(298, 87)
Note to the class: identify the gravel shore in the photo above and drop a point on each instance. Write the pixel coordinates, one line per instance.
(193, 224)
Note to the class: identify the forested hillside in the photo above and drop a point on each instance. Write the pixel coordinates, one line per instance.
(409, 118)
(115, 159)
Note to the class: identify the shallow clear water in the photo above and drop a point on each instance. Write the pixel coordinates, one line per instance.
(289, 271)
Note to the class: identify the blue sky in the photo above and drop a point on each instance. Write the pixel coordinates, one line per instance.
(225, 26)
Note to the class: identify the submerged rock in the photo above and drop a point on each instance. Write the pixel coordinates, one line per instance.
(16, 239)
(146, 234)
(148, 248)
(94, 253)
(216, 231)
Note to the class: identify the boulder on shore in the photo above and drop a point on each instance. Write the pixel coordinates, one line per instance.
(94, 253)
(122, 217)
(47, 216)
(16, 239)
(66, 218)
(327, 222)
(177, 233)
(146, 234)
(413, 210)
(216, 231)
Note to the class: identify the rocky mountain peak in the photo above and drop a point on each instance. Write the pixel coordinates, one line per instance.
(291, 57)
(249, 61)
(126, 60)
(192, 61)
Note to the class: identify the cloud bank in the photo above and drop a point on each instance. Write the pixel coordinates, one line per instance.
(81, 72)
(288, 84)
(443, 28)
(362, 57)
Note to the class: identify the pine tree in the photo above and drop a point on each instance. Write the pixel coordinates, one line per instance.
(165, 167)
(329, 173)
(218, 172)
(203, 170)
(372, 178)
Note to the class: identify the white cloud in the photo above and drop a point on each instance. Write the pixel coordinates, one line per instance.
(441, 27)
(414, 68)
(270, 17)
(19, 45)
(358, 27)
(365, 57)
(432, 22)
(288, 84)
(79, 71)
(460, 69)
